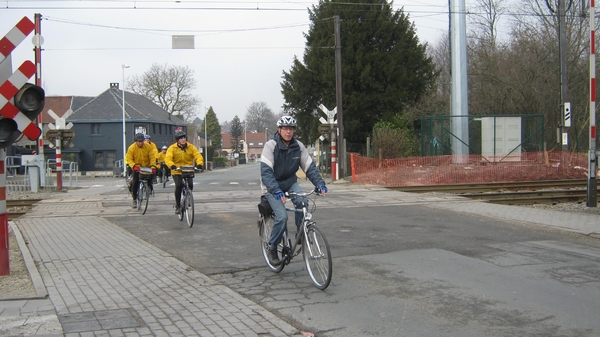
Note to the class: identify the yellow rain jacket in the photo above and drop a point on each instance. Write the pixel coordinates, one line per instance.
(141, 156)
(178, 157)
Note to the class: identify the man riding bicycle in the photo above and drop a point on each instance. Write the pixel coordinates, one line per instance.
(281, 158)
(139, 154)
(182, 153)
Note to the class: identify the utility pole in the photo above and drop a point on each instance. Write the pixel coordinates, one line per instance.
(565, 106)
(338, 97)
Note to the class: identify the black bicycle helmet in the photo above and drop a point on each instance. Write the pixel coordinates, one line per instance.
(286, 121)
(139, 137)
(179, 134)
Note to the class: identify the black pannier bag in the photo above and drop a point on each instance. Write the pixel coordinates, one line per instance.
(264, 207)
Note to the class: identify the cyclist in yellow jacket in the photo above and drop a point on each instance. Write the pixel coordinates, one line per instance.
(161, 162)
(139, 154)
(182, 153)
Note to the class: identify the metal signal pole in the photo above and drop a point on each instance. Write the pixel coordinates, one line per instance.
(592, 185)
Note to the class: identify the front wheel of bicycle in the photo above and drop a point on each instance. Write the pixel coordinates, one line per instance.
(317, 257)
(182, 202)
(189, 208)
(143, 196)
(264, 232)
(164, 178)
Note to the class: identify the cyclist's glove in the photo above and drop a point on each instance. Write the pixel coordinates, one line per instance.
(199, 167)
(278, 195)
(136, 168)
(153, 170)
(322, 188)
(173, 167)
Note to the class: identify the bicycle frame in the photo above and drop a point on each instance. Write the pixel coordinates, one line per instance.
(186, 206)
(301, 232)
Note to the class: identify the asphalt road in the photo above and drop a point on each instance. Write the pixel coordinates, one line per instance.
(401, 266)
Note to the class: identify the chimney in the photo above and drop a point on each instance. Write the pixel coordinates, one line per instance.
(114, 85)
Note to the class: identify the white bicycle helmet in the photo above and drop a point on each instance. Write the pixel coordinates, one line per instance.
(286, 121)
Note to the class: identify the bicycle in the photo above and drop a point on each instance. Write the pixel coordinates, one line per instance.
(187, 197)
(308, 239)
(144, 189)
(164, 178)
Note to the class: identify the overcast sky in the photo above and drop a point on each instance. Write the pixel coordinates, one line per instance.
(239, 56)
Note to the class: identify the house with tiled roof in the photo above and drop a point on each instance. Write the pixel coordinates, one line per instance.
(98, 127)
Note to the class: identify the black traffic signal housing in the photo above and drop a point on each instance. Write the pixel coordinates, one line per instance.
(8, 132)
(29, 100)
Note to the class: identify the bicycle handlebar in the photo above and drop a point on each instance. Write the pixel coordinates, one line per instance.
(304, 194)
(187, 168)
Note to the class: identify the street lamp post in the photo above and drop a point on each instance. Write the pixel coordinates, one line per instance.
(123, 66)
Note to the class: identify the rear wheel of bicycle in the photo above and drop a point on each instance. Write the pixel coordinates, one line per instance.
(164, 178)
(189, 208)
(317, 257)
(264, 232)
(143, 195)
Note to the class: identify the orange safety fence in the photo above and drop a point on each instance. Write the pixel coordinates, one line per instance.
(441, 170)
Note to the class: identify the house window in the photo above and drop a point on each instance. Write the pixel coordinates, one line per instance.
(104, 159)
(260, 144)
(251, 144)
(95, 128)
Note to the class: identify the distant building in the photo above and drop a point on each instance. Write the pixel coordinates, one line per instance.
(252, 144)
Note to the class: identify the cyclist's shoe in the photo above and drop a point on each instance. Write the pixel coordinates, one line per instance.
(134, 204)
(177, 210)
(273, 258)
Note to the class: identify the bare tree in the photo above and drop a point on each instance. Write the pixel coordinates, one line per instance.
(259, 116)
(486, 19)
(170, 87)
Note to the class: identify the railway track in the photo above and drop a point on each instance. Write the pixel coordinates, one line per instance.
(513, 193)
(18, 207)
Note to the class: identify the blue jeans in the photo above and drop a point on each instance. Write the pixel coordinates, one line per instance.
(281, 215)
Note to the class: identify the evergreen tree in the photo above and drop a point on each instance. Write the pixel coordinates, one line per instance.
(237, 130)
(384, 67)
(213, 128)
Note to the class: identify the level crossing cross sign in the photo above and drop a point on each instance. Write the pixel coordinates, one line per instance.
(15, 36)
(20, 102)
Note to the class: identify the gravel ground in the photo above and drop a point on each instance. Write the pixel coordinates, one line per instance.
(18, 283)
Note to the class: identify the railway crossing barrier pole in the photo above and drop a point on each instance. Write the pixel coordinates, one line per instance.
(4, 258)
(592, 185)
(334, 169)
(59, 163)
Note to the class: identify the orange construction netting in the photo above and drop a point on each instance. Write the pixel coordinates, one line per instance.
(436, 170)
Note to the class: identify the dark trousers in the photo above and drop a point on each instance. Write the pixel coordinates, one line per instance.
(135, 181)
(178, 180)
